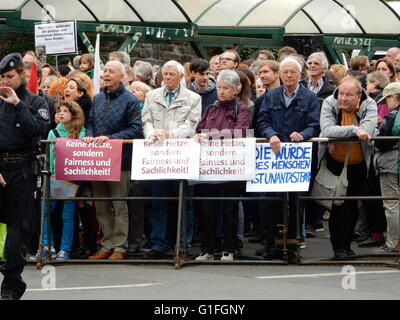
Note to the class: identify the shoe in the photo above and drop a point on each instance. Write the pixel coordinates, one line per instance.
(340, 254)
(100, 255)
(326, 215)
(62, 255)
(259, 252)
(117, 255)
(257, 238)
(205, 257)
(310, 233)
(350, 253)
(302, 245)
(227, 256)
(133, 250)
(8, 295)
(154, 254)
(359, 237)
(319, 228)
(53, 254)
(384, 249)
(271, 253)
(372, 242)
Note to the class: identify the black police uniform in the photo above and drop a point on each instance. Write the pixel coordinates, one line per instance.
(21, 127)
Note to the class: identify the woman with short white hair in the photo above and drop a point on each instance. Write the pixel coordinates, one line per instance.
(219, 121)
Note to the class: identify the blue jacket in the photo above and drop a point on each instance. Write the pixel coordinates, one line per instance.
(302, 115)
(116, 114)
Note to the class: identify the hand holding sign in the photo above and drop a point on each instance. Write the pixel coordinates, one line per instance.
(2, 181)
(160, 134)
(199, 137)
(10, 95)
(275, 143)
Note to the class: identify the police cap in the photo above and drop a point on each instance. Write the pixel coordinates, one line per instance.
(10, 62)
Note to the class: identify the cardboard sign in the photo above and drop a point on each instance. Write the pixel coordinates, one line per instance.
(62, 188)
(165, 160)
(227, 160)
(56, 37)
(78, 160)
(289, 170)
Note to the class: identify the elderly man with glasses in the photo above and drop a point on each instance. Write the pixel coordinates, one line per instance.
(289, 113)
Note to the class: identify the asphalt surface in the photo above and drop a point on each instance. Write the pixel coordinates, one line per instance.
(367, 277)
(212, 282)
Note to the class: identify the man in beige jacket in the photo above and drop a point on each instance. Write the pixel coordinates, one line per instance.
(169, 112)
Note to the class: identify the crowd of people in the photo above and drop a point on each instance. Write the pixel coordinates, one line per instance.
(283, 97)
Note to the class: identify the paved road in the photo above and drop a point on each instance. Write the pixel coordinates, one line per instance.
(219, 282)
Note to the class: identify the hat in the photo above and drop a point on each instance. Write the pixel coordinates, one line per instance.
(391, 88)
(10, 62)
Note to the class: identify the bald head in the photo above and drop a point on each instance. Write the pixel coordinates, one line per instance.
(392, 53)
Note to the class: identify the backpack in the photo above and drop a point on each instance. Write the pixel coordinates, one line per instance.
(385, 130)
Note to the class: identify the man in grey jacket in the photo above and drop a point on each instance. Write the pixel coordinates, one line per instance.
(348, 113)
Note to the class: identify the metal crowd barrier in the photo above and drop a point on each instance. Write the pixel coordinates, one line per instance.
(180, 258)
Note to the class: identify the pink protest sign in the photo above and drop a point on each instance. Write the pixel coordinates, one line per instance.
(78, 160)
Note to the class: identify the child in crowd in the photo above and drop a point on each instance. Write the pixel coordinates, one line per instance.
(71, 120)
(86, 64)
(140, 89)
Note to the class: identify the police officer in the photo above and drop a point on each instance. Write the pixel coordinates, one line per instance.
(24, 118)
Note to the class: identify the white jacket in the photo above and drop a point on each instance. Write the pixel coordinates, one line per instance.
(180, 119)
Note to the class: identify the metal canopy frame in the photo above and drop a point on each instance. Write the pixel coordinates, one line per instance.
(201, 37)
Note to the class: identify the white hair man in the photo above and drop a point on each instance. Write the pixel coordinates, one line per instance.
(289, 113)
(115, 115)
(317, 64)
(392, 53)
(169, 112)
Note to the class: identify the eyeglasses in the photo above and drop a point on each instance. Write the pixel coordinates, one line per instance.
(226, 59)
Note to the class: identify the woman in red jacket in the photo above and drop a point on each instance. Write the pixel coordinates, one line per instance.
(219, 121)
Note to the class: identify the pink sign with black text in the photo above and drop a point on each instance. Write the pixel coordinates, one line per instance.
(78, 160)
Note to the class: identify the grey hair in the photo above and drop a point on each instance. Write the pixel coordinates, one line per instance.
(122, 57)
(322, 56)
(144, 70)
(255, 66)
(173, 63)
(290, 59)
(230, 77)
(121, 67)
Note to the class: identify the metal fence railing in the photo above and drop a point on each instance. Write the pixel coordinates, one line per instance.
(180, 257)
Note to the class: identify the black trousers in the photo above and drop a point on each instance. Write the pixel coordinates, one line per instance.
(209, 217)
(16, 203)
(343, 218)
(137, 213)
(273, 216)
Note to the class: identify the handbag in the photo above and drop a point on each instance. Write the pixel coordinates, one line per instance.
(327, 184)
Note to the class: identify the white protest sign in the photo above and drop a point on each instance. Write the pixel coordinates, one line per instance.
(289, 170)
(56, 37)
(227, 160)
(169, 159)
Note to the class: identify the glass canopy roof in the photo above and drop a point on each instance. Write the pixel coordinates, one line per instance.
(296, 16)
